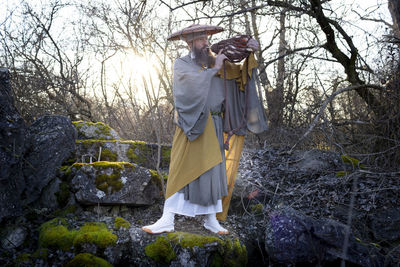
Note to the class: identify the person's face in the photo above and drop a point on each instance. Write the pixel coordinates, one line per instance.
(200, 43)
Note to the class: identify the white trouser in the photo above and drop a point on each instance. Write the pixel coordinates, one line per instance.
(178, 205)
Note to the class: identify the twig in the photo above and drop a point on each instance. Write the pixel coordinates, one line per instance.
(325, 104)
(349, 217)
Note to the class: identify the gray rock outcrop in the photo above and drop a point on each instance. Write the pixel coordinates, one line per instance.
(115, 183)
(138, 152)
(291, 237)
(50, 141)
(12, 138)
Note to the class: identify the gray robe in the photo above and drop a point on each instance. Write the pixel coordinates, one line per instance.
(197, 91)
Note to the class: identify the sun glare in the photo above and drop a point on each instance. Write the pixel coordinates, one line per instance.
(138, 73)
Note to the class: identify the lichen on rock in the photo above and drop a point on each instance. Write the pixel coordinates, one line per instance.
(98, 130)
(139, 153)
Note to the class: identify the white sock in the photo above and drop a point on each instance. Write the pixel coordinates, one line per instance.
(211, 223)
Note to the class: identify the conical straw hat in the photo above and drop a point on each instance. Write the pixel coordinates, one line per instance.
(195, 30)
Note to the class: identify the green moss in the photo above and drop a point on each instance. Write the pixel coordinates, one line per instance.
(229, 252)
(90, 142)
(166, 154)
(342, 173)
(101, 128)
(190, 240)
(108, 155)
(106, 164)
(95, 233)
(23, 259)
(217, 260)
(353, 161)
(55, 234)
(155, 177)
(41, 253)
(139, 152)
(257, 209)
(87, 260)
(109, 183)
(121, 223)
(63, 194)
(234, 253)
(161, 251)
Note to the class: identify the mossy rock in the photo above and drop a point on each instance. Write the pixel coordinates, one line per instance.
(139, 153)
(23, 259)
(161, 251)
(87, 260)
(109, 183)
(95, 233)
(235, 254)
(55, 234)
(108, 155)
(189, 240)
(157, 179)
(105, 165)
(226, 252)
(166, 154)
(41, 253)
(91, 130)
(121, 223)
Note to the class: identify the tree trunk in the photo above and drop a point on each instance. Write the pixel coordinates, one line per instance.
(394, 8)
(275, 97)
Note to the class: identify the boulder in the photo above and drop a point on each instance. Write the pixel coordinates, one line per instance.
(12, 138)
(185, 249)
(291, 237)
(50, 141)
(95, 130)
(138, 152)
(114, 183)
(385, 225)
(315, 161)
(12, 237)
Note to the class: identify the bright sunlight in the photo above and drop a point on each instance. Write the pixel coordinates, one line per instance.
(134, 74)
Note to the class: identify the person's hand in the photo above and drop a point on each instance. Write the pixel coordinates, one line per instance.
(219, 60)
(253, 44)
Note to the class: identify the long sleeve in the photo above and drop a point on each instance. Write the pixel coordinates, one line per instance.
(191, 87)
(256, 121)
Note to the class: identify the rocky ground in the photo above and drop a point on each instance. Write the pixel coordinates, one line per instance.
(310, 183)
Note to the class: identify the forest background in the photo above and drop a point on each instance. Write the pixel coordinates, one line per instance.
(328, 70)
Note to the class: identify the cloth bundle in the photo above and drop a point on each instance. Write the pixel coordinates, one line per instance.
(235, 48)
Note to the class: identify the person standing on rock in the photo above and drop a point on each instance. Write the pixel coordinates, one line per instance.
(197, 180)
